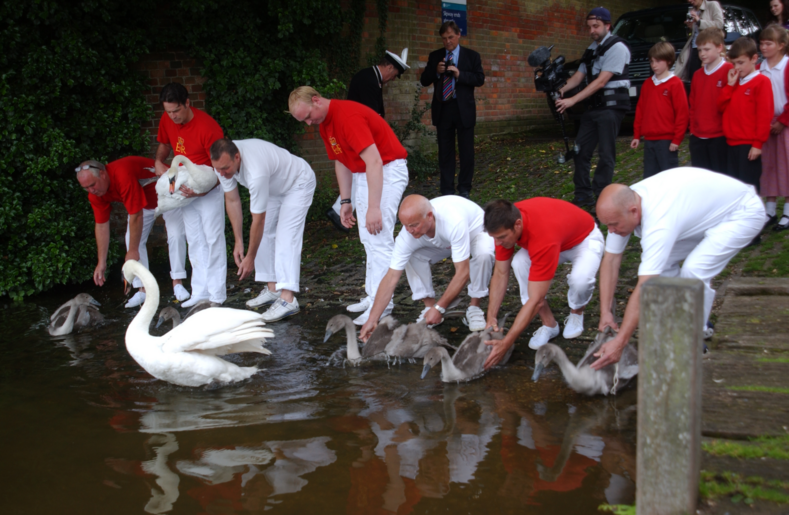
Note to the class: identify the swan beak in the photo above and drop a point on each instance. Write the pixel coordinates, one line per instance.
(425, 370)
(160, 322)
(538, 368)
(327, 336)
(172, 185)
(95, 302)
(127, 287)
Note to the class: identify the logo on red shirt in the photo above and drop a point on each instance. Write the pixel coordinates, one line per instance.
(179, 147)
(334, 146)
(665, 92)
(748, 92)
(720, 83)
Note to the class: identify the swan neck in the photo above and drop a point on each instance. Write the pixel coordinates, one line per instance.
(68, 325)
(151, 304)
(353, 345)
(568, 369)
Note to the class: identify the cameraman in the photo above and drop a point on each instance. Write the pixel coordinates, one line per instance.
(607, 98)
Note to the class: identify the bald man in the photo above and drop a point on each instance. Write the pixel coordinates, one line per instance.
(686, 215)
(434, 230)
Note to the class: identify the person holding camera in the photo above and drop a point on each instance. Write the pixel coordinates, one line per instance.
(702, 14)
(454, 72)
(607, 98)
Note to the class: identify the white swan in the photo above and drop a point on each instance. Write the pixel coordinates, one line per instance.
(582, 378)
(187, 355)
(199, 178)
(75, 314)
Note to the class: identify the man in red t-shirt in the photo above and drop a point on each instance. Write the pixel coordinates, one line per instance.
(550, 232)
(367, 155)
(119, 181)
(188, 131)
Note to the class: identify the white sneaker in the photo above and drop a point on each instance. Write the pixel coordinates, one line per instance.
(709, 331)
(181, 293)
(266, 297)
(192, 301)
(422, 317)
(542, 336)
(573, 326)
(135, 301)
(475, 319)
(362, 319)
(281, 309)
(363, 305)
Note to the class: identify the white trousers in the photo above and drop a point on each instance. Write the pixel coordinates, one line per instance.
(707, 257)
(379, 247)
(483, 256)
(279, 255)
(148, 218)
(176, 242)
(585, 257)
(204, 221)
(336, 206)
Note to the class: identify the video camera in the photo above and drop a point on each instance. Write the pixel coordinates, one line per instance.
(549, 78)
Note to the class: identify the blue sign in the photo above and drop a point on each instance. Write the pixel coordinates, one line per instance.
(455, 11)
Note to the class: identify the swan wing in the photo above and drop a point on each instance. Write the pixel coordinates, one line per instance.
(380, 337)
(201, 177)
(215, 327)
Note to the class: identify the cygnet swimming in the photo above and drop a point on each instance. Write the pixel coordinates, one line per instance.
(376, 344)
(413, 341)
(581, 377)
(75, 314)
(169, 313)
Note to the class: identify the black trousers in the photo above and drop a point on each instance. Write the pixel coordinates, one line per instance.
(693, 64)
(599, 128)
(710, 154)
(739, 167)
(658, 158)
(446, 129)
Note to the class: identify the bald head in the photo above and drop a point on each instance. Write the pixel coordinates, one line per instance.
(619, 208)
(416, 215)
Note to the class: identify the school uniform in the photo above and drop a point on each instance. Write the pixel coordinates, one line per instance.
(707, 143)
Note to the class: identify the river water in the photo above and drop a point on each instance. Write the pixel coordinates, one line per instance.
(86, 430)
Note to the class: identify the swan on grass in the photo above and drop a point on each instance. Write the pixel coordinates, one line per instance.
(581, 377)
(188, 354)
(199, 178)
(78, 313)
(468, 362)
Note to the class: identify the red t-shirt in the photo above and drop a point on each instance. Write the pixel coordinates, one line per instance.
(350, 127)
(550, 226)
(192, 139)
(125, 187)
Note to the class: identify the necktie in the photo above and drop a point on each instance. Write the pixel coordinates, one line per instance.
(449, 87)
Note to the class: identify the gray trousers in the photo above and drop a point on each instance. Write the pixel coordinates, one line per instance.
(599, 128)
(657, 157)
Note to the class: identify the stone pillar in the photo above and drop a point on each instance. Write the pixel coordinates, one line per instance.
(671, 338)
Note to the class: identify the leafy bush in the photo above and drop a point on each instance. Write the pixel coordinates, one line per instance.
(68, 92)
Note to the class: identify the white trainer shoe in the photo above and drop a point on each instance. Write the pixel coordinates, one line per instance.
(136, 300)
(573, 326)
(266, 297)
(542, 336)
(192, 301)
(422, 317)
(475, 319)
(362, 319)
(363, 305)
(281, 309)
(181, 293)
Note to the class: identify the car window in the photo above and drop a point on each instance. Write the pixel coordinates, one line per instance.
(729, 17)
(744, 24)
(651, 28)
(755, 27)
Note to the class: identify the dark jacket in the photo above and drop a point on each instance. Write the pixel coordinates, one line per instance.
(471, 76)
(364, 89)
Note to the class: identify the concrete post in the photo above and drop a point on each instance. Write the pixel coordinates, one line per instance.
(670, 343)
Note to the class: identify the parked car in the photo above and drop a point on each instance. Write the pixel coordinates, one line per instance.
(642, 29)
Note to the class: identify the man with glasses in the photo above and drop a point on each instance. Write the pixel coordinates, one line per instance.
(119, 181)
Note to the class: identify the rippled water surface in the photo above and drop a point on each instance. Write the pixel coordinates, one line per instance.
(86, 430)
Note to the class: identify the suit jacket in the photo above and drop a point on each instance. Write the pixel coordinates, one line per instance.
(366, 90)
(471, 76)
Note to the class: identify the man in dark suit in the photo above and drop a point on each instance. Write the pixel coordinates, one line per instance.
(367, 88)
(454, 72)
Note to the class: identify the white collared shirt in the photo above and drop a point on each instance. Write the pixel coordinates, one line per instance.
(713, 70)
(747, 78)
(658, 82)
(776, 76)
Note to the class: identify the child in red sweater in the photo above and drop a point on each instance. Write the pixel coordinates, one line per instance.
(747, 107)
(662, 113)
(707, 142)
(775, 153)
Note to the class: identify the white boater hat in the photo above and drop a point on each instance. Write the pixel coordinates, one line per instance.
(399, 61)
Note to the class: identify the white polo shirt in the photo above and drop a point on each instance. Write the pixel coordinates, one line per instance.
(678, 205)
(267, 171)
(458, 221)
(776, 76)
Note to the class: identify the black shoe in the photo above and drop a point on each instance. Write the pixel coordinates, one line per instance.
(334, 218)
(771, 221)
(783, 224)
(584, 202)
(464, 194)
